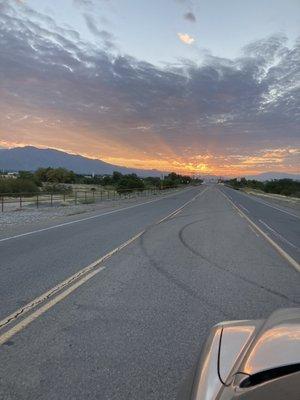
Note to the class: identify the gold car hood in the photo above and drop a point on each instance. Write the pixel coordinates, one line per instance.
(275, 343)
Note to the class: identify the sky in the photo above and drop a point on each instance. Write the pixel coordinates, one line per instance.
(199, 87)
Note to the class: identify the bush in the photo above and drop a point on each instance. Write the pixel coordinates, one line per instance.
(129, 182)
(286, 187)
(57, 188)
(169, 183)
(17, 186)
(152, 181)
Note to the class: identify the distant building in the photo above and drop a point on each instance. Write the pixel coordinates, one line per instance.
(8, 175)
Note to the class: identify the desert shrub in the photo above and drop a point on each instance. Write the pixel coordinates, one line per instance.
(57, 188)
(17, 186)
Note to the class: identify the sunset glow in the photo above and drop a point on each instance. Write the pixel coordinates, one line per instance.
(75, 89)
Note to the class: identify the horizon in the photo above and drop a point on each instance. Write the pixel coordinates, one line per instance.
(276, 174)
(222, 100)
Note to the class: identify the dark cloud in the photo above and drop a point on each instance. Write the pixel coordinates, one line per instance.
(189, 16)
(106, 37)
(83, 3)
(88, 4)
(229, 107)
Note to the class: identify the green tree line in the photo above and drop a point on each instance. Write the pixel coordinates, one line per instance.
(57, 179)
(286, 187)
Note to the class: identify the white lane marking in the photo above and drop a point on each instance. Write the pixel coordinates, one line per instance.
(85, 274)
(244, 208)
(277, 234)
(87, 218)
(283, 253)
(254, 231)
(268, 205)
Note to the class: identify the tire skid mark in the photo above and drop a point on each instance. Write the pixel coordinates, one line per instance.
(177, 282)
(64, 288)
(226, 269)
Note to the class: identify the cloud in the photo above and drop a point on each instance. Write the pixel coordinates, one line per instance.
(106, 37)
(88, 4)
(185, 38)
(189, 16)
(222, 116)
(83, 3)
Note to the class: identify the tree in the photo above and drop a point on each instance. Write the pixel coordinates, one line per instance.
(30, 176)
(116, 177)
(17, 186)
(130, 182)
(152, 181)
(55, 175)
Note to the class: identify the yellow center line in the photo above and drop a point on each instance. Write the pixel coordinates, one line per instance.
(67, 286)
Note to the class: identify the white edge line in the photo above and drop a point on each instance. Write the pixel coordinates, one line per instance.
(244, 208)
(88, 218)
(277, 234)
(88, 273)
(253, 230)
(267, 204)
(283, 253)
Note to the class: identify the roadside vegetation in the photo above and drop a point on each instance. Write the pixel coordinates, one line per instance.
(285, 187)
(61, 180)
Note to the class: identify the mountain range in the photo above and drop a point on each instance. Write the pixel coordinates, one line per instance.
(30, 158)
(267, 176)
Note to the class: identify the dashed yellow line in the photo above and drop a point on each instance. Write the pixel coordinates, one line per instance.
(66, 287)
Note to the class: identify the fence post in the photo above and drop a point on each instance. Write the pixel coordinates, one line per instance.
(85, 197)
(2, 203)
(37, 201)
(20, 202)
(51, 199)
(64, 197)
(75, 197)
(101, 195)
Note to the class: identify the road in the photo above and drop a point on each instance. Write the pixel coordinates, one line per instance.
(282, 225)
(131, 327)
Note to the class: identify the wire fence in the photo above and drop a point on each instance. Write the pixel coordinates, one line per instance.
(13, 201)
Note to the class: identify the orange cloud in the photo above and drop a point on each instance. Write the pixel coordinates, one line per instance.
(185, 38)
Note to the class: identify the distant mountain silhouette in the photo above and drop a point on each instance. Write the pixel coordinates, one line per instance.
(30, 158)
(264, 176)
(267, 176)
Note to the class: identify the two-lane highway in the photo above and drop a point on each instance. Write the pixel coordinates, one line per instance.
(133, 325)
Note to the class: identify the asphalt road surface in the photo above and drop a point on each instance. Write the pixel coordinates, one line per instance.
(131, 326)
(282, 225)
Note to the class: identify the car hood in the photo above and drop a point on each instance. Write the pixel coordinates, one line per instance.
(250, 347)
(238, 350)
(275, 343)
